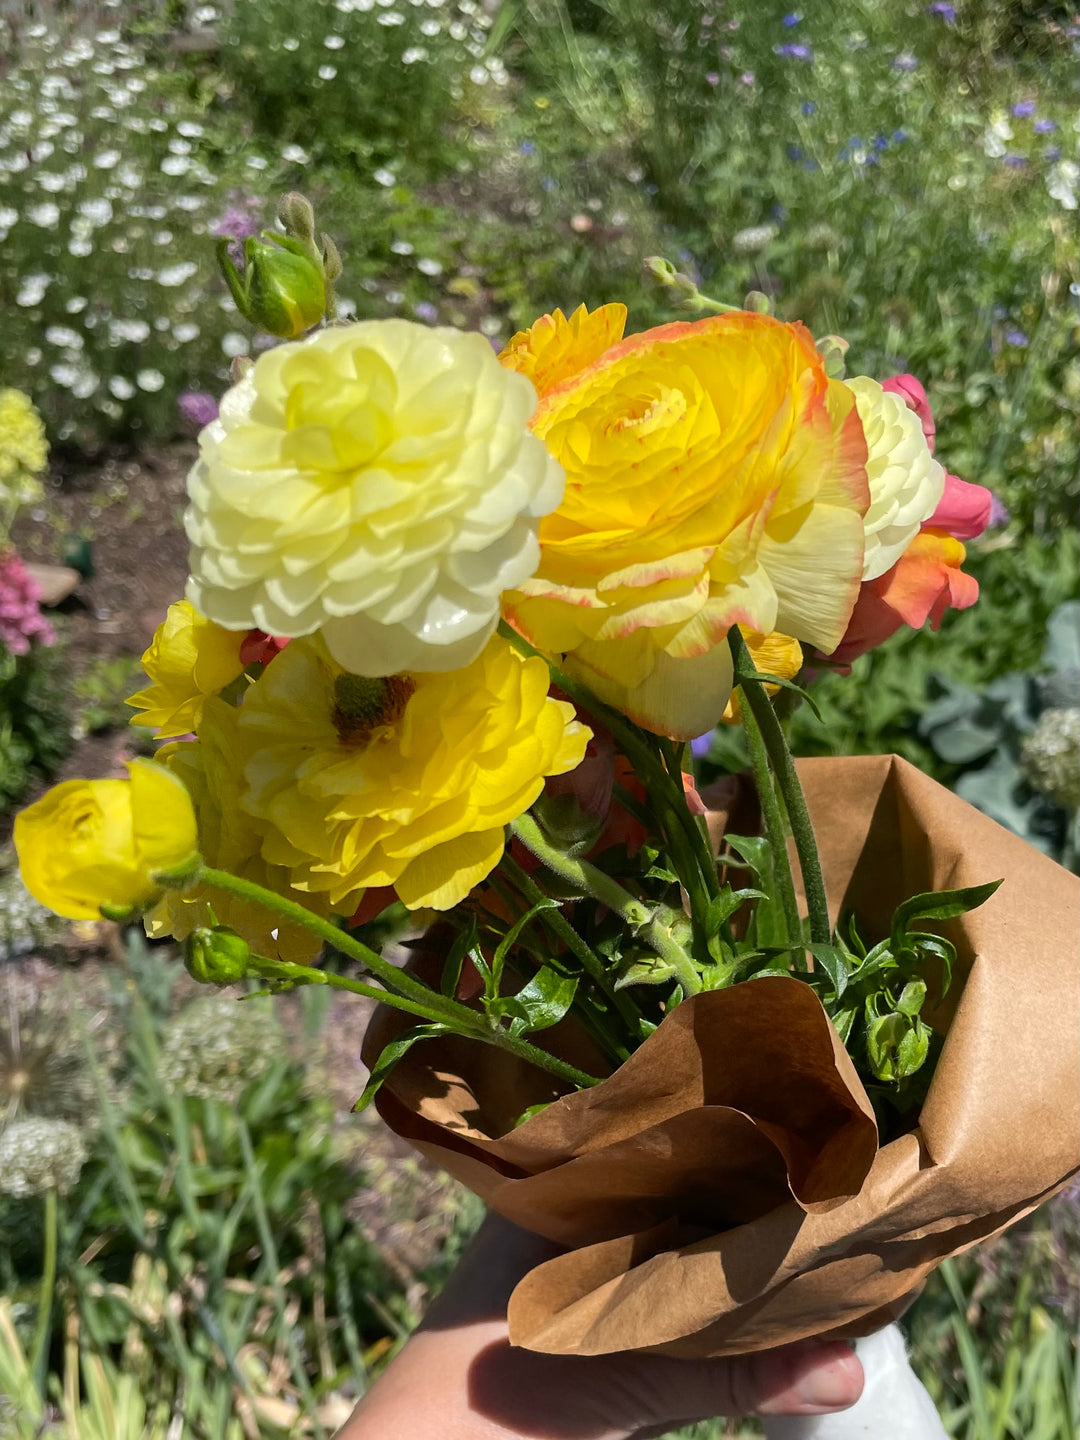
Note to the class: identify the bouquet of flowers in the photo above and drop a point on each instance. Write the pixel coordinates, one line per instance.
(760, 1057)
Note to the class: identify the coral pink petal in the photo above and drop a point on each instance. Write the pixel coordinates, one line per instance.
(964, 509)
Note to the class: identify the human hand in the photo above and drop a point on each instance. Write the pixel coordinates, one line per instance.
(459, 1378)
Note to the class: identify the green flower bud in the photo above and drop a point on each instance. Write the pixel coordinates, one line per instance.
(568, 826)
(896, 1046)
(216, 957)
(297, 216)
(758, 303)
(282, 289)
(833, 349)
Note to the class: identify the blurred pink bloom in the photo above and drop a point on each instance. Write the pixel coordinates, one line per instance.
(21, 620)
(198, 407)
(914, 396)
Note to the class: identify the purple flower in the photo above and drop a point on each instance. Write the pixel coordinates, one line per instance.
(198, 407)
(1023, 108)
(1052, 152)
(880, 142)
(1016, 161)
(527, 148)
(426, 311)
(793, 19)
(700, 747)
(899, 136)
(794, 52)
(905, 61)
(999, 513)
(942, 8)
(1044, 127)
(794, 152)
(747, 77)
(1016, 338)
(808, 107)
(712, 78)
(239, 221)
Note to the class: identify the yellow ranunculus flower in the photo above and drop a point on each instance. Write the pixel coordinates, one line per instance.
(715, 475)
(554, 347)
(189, 658)
(89, 843)
(906, 482)
(407, 781)
(377, 482)
(212, 769)
(773, 654)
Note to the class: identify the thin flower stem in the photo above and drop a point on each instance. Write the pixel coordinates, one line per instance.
(783, 767)
(399, 983)
(773, 821)
(580, 949)
(43, 1326)
(646, 921)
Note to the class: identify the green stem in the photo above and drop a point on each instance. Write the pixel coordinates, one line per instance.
(645, 921)
(783, 767)
(665, 791)
(580, 949)
(773, 824)
(399, 983)
(43, 1327)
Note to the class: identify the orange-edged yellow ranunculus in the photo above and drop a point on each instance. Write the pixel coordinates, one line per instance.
(715, 476)
(189, 658)
(93, 843)
(555, 348)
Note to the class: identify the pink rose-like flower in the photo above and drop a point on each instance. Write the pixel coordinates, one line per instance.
(21, 620)
(914, 396)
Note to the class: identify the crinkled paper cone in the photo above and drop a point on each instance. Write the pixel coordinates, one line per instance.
(723, 1191)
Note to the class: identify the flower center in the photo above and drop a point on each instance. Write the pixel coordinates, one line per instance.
(362, 704)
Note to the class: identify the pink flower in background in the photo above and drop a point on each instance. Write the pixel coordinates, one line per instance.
(913, 395)
(21, 620)
(242, 218)
(258, 648)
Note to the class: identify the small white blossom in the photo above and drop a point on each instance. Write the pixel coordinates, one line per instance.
(175, 165)
(185, 331)
(384, 177)
(233, 344)
(150, 380)
(45, 215)
(327, 72)
(173, 275)
(134, 330)
(64, 337)
(121, 388)
(106, 160)
(295, 155)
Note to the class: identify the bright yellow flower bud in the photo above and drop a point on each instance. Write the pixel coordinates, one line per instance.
(89, 843)
(189, 658)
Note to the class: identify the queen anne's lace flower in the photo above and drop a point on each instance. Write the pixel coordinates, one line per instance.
(906, 482)
(378, 482)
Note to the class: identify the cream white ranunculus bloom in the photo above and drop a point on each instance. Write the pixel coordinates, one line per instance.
(377, 482)
(906, 482)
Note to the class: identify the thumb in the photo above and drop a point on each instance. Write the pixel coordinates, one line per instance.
(810, 1378)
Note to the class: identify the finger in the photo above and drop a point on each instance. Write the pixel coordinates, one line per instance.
(811, 1378)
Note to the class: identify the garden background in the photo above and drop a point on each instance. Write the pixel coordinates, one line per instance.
(197, 1240)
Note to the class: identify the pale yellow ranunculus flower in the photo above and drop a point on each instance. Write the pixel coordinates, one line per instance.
(188, 659)
(906, 482)
(377, 482)
(408, 781)
(89, 843)
(212, 769)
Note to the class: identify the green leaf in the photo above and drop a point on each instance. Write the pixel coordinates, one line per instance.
(389, 1057)
(724, 905)
(896, 1045)
(512, 934)
(938, 905)
(912, 997)
(464, 941)
(543, 1001)
(753, 852)
(833, 961)
(648, 971)
(764, 678)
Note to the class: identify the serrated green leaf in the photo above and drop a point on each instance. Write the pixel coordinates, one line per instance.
(938, 905)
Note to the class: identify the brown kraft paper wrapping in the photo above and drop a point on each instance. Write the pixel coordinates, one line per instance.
(724, 1190)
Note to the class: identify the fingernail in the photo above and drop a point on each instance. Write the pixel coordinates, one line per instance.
(833, 1386)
